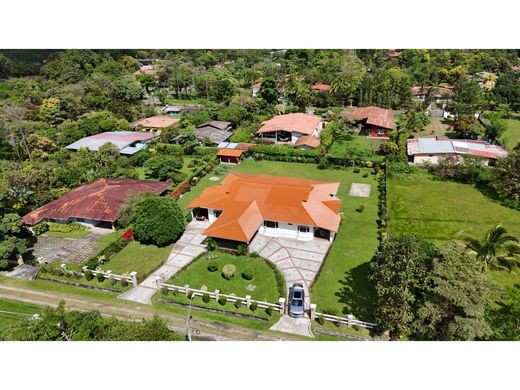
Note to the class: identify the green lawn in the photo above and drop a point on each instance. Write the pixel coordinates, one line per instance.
(511, 136)
(144, 259)
(360, 146)
(141, 173)
(342, 284)
(81, 232)
(14, 311)
(438, 210)
(435, 127)
(197, 275)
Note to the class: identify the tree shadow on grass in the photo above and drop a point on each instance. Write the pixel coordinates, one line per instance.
(357, 293)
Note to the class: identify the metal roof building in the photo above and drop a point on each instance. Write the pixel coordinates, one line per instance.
(128, 142)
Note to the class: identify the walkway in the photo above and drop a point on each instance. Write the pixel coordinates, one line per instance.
(298, 261)
(183, 252)
(299, 326)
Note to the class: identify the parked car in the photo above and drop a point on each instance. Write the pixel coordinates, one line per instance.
(296, 300)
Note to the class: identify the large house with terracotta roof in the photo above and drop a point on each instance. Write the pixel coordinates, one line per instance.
(95, 204)
(155, 123)
(277, 206)
(377, 122)
(297, 129)
(432, 149)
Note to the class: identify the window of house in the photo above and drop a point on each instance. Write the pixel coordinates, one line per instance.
(80, 219)
(217, 213)
(380, 132)
(271, 224)
(303, 229)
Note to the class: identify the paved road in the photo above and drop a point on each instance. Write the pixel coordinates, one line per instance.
(183, 252)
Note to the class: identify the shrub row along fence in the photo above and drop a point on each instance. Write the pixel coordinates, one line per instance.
(382, 213)
(195, 177)
(218, 296)
(100, 275)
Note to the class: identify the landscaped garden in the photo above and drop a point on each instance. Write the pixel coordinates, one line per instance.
(68, 230)
(438, 210)
(359, 146)
(342, 285)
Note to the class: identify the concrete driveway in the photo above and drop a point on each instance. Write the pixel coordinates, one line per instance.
(298, 261)
(183, 252)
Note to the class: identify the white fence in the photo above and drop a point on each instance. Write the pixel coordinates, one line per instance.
(349, 320)
(130, 278)
(216, 295)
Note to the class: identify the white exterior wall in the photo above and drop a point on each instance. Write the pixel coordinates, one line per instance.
(295, 136)
(287, 230)
(211, 215)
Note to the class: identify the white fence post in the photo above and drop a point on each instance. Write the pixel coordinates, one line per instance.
(313, 311)
(281, 303)
(133, 275)
(217, 294)
(187, 289)
(350, 317)
(248, 301)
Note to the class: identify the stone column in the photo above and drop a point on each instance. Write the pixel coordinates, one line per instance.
(281, 302)
(133, 275)
(313, 311)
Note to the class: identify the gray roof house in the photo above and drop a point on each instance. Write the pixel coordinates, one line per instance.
(216, 131)
(128, 142)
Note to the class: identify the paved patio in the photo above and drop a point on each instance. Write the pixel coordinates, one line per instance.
(298, 261)
(183, 252)
(67, 250)
(360, 189)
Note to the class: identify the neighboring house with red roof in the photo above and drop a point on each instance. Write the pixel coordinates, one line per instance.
(147, 69)
(215, 131)
(96, 204)
(155, 123)
(377, 122)
(288, 129)
(255, 89)
(439, 94)
(128, 142)
(231, 152)
(321, 87)
(431, 149)
(278, 206)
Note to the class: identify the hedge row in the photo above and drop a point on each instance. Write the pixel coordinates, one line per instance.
(382, 221)
(106, 253)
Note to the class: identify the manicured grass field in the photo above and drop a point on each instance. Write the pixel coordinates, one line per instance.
(511, 136)
(144, 259)
(14, 311)
(141, 172)
(435, 127)
(359, 146)
(82, 232)
(342, 283)
(197, 275)
(438, 210)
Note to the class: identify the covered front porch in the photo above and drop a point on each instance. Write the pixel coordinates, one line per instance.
(278, 137)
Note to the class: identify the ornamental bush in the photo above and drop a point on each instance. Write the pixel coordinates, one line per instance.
(248, 274)
(360, 208)
(165, 290)
(113, 281)
(212, 266)
(253, 306)
(205, 297)
(238, 303)
(211, 244)
(222, 301)
(228, 271)
(124, 282)
(100, 277)
(40, 228)
(89, 275)
(320, 320)
(242, 250)
(269, 311)
(157, 220)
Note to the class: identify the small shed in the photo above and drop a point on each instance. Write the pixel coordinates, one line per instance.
(230, 156)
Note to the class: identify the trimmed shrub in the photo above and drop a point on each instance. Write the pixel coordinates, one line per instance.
(365, 174)
(222, 301)
(238, 303)
(66, 227)
(124, 282)
(89, 275)
(357, 170)
(254, 255)
(165, 290)
(248, 274)
(206, 297)
(360, 208)
(280, 281)
(113, 282)
(269, 311)
(320, 320)
(100, 277)
(212, 266)
(253, 306)
(40, 228)
(228, 271)
(211, 244)
(242, 250)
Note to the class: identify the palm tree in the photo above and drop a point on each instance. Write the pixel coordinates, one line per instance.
(496, 249)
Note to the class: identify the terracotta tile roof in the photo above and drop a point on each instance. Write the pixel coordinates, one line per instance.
(156, 122)
(298, 121)
(374, 116)
(515, 67)
(308, 140)
(321, 87)
(229, 153)
(434, 91)
(146, 69)
(100, 200)
(248, 200)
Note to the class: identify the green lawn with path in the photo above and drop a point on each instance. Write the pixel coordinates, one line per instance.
(13, 311)
(438, 210)
(342, 284)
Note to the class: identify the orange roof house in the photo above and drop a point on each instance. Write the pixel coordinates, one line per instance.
(244, 203)
(288, 128)
(377, 121)
(321, 87)
(96, 202)
(156, 123)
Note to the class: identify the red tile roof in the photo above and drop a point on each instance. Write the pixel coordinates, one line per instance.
(435, 91)
(248, 200)
(376, 116)
(321, 87)
(308, 140)
(156, 122)
(298, 122)
(100, 200)
(229, 153)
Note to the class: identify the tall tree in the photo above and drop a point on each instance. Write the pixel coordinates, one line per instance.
(496, 248)
(505, 179)
(13, 238)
